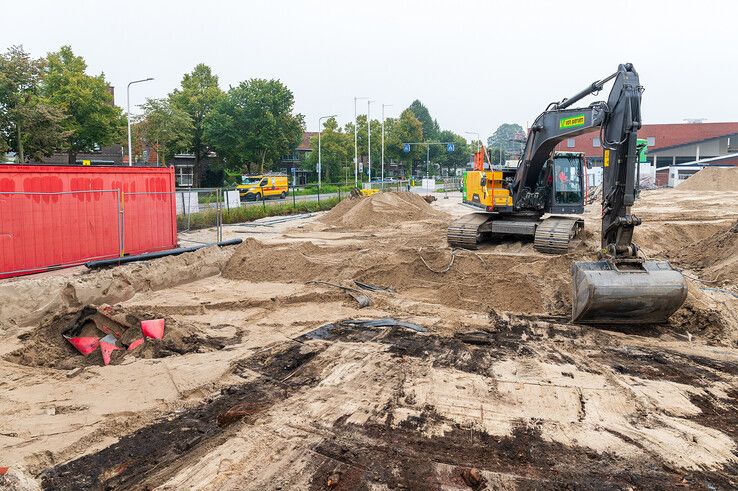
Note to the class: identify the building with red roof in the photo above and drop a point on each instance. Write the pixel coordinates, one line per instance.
(669, 144)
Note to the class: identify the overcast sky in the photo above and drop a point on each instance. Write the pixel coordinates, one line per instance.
(474, 64)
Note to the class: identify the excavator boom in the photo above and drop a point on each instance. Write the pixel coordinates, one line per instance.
(622, 287)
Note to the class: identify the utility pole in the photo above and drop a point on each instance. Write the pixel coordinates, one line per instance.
(383, 106)
(356, 144)
(128, 104)
(369, 137)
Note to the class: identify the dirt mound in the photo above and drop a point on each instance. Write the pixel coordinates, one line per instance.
(716, 257)
(380, 210)
(712, 179)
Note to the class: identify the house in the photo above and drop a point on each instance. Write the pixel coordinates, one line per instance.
(668, 144)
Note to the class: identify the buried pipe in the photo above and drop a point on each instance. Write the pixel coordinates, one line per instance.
(154, 255)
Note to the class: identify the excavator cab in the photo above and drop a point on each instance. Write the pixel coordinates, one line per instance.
(568, 179)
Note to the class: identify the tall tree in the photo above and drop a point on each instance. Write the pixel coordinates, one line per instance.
(29, 126)
(164, 126)
(337, 150)
(92, 120)
(509, 136)
(430, 125)
(198, 95)
(406, 129)
(254, 122)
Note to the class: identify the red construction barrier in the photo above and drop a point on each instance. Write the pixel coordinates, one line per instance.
(56, 216)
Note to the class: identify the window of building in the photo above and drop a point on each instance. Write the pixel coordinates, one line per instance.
(570, 143)
(651, 141)
(596, 141)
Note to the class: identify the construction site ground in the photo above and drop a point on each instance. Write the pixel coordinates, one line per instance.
(264, 379)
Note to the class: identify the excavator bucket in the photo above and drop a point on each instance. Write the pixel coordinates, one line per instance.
(645, 293)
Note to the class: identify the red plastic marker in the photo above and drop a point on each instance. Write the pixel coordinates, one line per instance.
(153, 328)
(135, 344)
(84, 345)
(107, 346)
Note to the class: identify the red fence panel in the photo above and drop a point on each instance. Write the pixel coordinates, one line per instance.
(43, 230)
(63, 215)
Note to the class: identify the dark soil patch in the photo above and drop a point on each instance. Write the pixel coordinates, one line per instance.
(403, 458)
(136, 458)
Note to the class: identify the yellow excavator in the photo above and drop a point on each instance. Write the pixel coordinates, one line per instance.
(543, 195)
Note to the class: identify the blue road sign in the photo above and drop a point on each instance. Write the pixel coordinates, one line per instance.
(406, 148)
(450, 147)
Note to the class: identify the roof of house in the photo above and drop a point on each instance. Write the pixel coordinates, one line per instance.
(665, 136)
(305, 143)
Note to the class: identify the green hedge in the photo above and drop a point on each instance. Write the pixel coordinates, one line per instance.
(205, 219)
(324, 189)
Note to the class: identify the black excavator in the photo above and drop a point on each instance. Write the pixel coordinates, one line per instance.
(622, 286)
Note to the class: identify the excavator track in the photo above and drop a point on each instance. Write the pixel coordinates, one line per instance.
(554, 235)
(464, 232)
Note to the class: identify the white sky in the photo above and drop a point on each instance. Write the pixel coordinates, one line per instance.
(475, 64)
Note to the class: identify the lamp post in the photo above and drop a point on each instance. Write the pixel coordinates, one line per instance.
(320, 130)
(128, 105)
(356, 145)
(383, 106)
(369, 137)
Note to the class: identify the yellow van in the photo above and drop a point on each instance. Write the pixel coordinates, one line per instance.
(254, 188)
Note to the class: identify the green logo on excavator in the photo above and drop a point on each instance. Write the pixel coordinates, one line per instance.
(573, 122)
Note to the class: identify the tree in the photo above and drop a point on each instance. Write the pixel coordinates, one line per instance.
(254, 123)
(430, 125)
(406, 129)
(29, 126)
(510, 137)
(198, 95)
(91, 119)
(459, 157)
(337, 150)
(164, 126)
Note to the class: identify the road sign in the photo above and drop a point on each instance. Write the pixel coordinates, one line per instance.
(450, 147)
(406, 148)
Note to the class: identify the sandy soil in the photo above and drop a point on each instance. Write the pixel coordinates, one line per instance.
(263, 380)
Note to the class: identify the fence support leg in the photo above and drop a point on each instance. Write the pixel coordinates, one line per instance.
(294, 201)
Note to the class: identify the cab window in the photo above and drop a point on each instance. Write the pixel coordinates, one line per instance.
(567, 180)
(264, 182)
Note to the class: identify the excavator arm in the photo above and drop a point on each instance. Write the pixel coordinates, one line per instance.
(622, 287)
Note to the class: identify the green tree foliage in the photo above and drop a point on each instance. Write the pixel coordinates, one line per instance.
(91, 119)
(459, 157)
(337, 151)
(197, 96)
(254, 123)
(510, 137)
(28, 124)
(165, 127)
(407, 128)
(430, 125)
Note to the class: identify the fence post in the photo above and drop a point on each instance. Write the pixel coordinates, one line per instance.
(318, 194)
(263, 199)
(294, 201)
(339, 191)
(123, 223)
(120, 223)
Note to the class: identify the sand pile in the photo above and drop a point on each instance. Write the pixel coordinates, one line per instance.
(712, 179)
(716, 257)
(380, 210)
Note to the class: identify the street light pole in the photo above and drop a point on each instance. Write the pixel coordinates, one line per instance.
(369, 136)
(356, 144)
(320, 130)
(383, 106)
(128, 105)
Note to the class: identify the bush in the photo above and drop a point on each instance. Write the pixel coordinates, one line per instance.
(208, 218)
(324, 189)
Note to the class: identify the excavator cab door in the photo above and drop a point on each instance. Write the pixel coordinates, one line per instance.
(567, 178)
